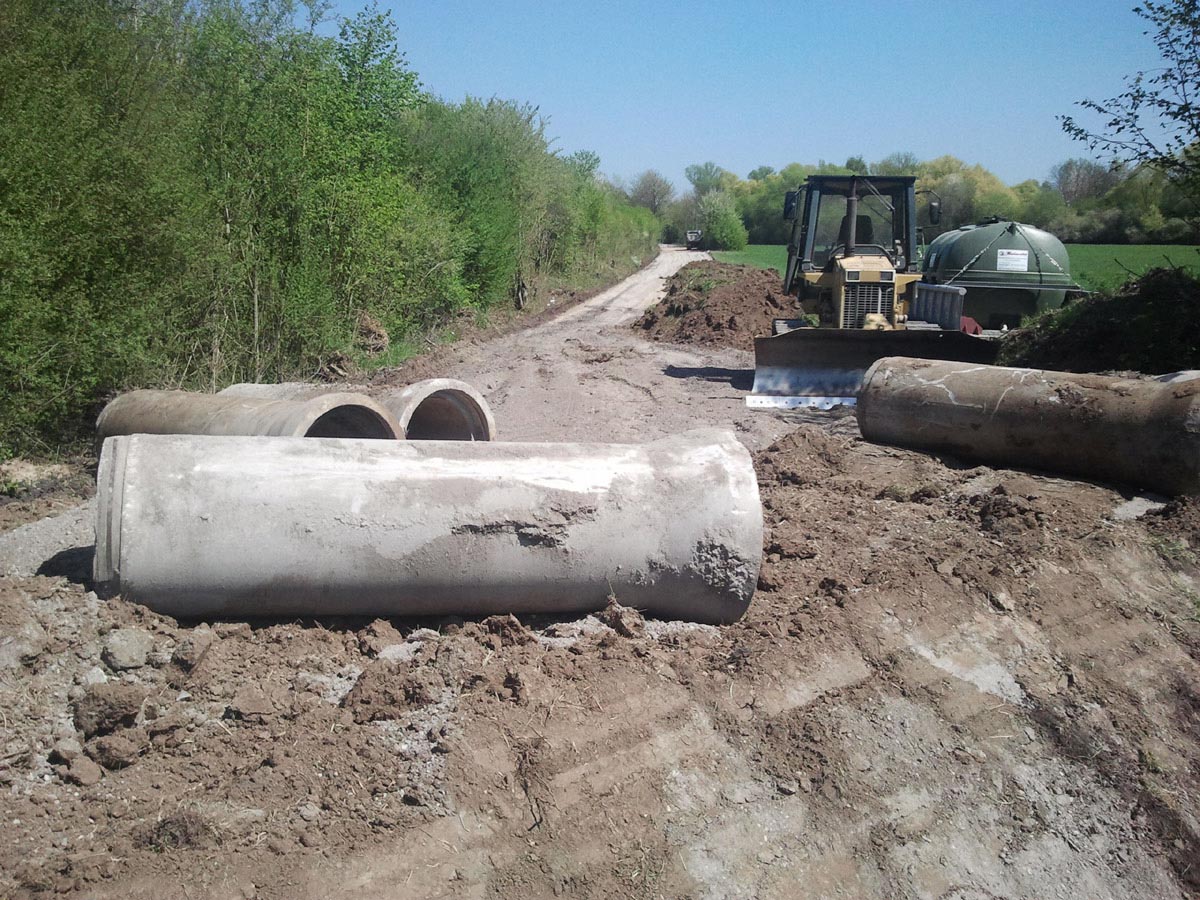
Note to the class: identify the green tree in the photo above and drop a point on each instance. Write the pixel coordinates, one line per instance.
(857, 165)
(194, 192)
(723, 228)
(652, 191)
(904, 163)
(1084, 179)
(705, 177)
(1155, 120)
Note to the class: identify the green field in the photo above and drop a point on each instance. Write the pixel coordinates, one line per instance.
(1095, 266)
(765, 256)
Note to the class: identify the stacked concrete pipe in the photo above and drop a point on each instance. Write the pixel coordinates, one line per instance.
(1144, 433)
(436, 409)
(202, 527)
(181, 412)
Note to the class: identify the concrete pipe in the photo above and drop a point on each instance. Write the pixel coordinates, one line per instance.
(437, 409)
(1140, 432)
(442, 409)
(236, 527)
(180, 412)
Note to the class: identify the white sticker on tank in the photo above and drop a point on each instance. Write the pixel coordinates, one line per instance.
(1012, 260)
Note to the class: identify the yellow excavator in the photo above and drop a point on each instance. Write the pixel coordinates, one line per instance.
(854, 266)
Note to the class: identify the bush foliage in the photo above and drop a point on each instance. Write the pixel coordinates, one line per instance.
(1134, 329)
(197, 192)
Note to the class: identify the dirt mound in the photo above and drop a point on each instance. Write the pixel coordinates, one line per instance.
(979, 673)
(33, 490)
(1147, 326)
(717, 303)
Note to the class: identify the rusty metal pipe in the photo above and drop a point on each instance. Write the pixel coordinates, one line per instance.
(182, 412)
(1140, 432)
(202, 527)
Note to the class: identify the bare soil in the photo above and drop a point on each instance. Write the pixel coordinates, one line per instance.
(711, 303)
(953, 682)
(30, 491)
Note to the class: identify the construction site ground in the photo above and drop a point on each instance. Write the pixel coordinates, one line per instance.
(954, 683)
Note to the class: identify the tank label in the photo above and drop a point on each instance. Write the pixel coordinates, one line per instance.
(1012, 260)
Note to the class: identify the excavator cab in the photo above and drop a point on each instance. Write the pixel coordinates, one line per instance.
(853, 249)
(853, 265)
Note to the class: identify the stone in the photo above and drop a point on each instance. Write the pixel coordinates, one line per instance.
(126, 648)
(193, 648)
(309, 812)
(249, 702)
(21, 642)
(1000, 601)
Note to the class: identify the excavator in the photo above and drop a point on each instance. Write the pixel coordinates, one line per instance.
(853, 264)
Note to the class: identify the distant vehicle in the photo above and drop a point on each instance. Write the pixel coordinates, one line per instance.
(693, 239)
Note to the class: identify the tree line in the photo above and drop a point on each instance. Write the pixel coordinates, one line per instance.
(198, 192)
(1082, 200)
(1147, 189)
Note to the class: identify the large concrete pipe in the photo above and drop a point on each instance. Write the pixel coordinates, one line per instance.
(1141, 432)
(437, 409)
(181, 412)
(236, 527)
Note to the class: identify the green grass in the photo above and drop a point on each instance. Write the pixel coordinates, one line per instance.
(765, 256)
(1097, 267)
(1105, 267)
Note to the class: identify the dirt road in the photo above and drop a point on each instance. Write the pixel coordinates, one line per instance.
(586, 376)
(954, 683)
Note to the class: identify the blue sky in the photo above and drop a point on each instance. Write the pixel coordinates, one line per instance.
(663, 85)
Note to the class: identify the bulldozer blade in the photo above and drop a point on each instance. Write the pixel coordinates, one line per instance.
(824, 367)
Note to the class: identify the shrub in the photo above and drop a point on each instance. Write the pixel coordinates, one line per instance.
(201, 193)
(723, 228)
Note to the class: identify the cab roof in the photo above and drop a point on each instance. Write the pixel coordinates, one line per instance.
(840, 184)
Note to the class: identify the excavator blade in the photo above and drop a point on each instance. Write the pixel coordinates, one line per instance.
(824, 367)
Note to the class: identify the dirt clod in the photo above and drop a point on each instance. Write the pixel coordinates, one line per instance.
(84, 772)
(104, 708)
(624, 620)
(117, 750)
(186, 829)
(388, 690)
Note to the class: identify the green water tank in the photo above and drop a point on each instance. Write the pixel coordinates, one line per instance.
(1010, 270)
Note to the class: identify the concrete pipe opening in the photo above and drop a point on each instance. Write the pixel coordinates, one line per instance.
(442, 409)
(437, 409)
(352, 421)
